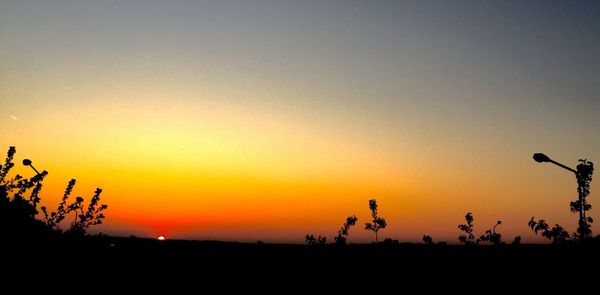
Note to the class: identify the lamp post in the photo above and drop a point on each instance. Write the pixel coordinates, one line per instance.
(27, 162)
(34, 199)
(584, 177)
(541, 158)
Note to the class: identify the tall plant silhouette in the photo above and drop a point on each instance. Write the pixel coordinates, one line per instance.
(585, 169)
(86, 218)
(467, 238)
(378, 222)
(344, 231)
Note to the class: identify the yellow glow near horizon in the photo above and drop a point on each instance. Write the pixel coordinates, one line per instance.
(182, 166)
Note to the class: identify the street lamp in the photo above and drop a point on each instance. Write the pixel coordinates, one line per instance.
(584, 177)
(27, 162)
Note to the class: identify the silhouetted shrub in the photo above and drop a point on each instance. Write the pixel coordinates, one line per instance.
(492, 236)
(468, 238)
(311, 240)
(517, 240)
(92, 216)
(18, 212)
(343, 232)
(557, 233)
(378, 222)
(427, 240)
(390, 241)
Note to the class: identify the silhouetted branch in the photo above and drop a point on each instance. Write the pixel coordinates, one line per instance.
(557, 233)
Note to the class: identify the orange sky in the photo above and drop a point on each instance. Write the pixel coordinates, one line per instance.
(216, 120)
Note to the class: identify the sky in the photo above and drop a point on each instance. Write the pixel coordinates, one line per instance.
(268, 120)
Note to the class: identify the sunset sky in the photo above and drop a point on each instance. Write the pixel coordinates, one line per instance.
(268, 120)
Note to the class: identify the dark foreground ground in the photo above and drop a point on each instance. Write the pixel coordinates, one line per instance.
(132, 263)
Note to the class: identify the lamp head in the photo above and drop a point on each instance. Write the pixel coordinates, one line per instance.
(27, 162)
(541, 158)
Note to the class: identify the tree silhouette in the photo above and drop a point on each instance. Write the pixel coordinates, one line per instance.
(492, 236)
(585, 169)
(468, 238)
(378, 222)
(557, 233)
(427, 240)
(343, 232)
(312, 241)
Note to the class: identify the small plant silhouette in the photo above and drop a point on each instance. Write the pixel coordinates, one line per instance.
(492, 236)
(556, 234)
(312, 241)
(468, 238)
(378, 222)
(344, 231)
(427, 240)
